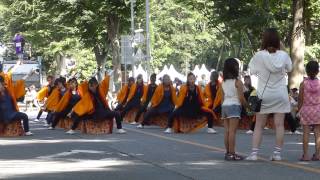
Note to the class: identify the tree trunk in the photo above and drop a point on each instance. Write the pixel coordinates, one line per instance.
(307, 18)
(240, 45)
(101, 56)
(113, 23)
(297, 44)
(61, 64)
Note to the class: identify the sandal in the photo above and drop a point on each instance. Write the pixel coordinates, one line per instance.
(303, 158)
(237, 157)
(233, 157)
(315, 158)
(228, 157)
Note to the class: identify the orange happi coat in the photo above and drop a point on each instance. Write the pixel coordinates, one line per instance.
(213, 103)
(63, 103)
(7, 80)
(53, 99)
(13, 99)
(133, 90)
(159, 93)
(145, 95)
(122, 95)
(43, 93)
(86, 104)
(183, 94)
(17, 88)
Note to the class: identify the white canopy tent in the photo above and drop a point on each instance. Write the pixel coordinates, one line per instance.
(162, 73)
(141, 71)
(205, 71)
(173, 73)
(196, 70)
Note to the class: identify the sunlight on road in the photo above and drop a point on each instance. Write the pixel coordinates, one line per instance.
(37, 141)
(16, 168)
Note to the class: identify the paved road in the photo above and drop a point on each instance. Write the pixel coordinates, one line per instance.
(145, 154)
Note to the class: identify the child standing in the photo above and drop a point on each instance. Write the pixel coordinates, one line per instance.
(233, 98)
(309, 108)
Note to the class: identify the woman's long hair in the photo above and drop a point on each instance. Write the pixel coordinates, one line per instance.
(271, 40)
(230, 69)
(189, 74)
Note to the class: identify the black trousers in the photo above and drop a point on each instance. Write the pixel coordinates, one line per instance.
(39, 113)
(119, 107)
(151, 113)
(57, 116)
(253, 124)
(18, 117)
(130, 105)
(142, 109)
(293, 125)
(49, 117)
(182, 112)
(102, 115)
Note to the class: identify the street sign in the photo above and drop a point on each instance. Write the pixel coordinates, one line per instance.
(126, 50)
(139, 56)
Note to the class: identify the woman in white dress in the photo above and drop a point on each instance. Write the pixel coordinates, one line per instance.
(271, 66)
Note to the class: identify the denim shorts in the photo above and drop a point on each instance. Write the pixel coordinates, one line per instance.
(231, 111)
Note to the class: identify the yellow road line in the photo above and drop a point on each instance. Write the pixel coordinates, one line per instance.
(283, 163)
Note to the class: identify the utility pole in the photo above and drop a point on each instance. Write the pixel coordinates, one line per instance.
(132, 36)
(148, 54)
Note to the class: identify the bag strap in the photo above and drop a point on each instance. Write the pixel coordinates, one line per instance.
(265, 85)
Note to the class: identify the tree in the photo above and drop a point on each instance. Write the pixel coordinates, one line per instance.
(180, 36)
(99, 25)
(297, 43)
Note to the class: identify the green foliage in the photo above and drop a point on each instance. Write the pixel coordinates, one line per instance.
(183, 32)
(179, 34)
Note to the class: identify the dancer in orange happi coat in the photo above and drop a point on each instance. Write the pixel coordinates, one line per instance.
(213, 93)
(146, 97)
(54, 99)
(123, 94)
(137, 91)
(69, 100)
(44, 93)
(191, 103)
(163, 101)
(9, 93)
(94, 106)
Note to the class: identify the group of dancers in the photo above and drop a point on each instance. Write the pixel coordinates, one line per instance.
(225, 96)
(87, 101)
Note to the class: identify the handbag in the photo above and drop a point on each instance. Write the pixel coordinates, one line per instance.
(254, 101)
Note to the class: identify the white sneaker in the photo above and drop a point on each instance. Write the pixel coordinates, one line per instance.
(28, 133)
(252, 157)
(36, 120)
(71, 132)
(50, 128)
(168, 131)
(265, 128)
(288, 133)
(121, 131)
(140, 126)
(211, 131)
(276, 157)
(46, 124)
(134, 123)
(298, 132)
(249, 132)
